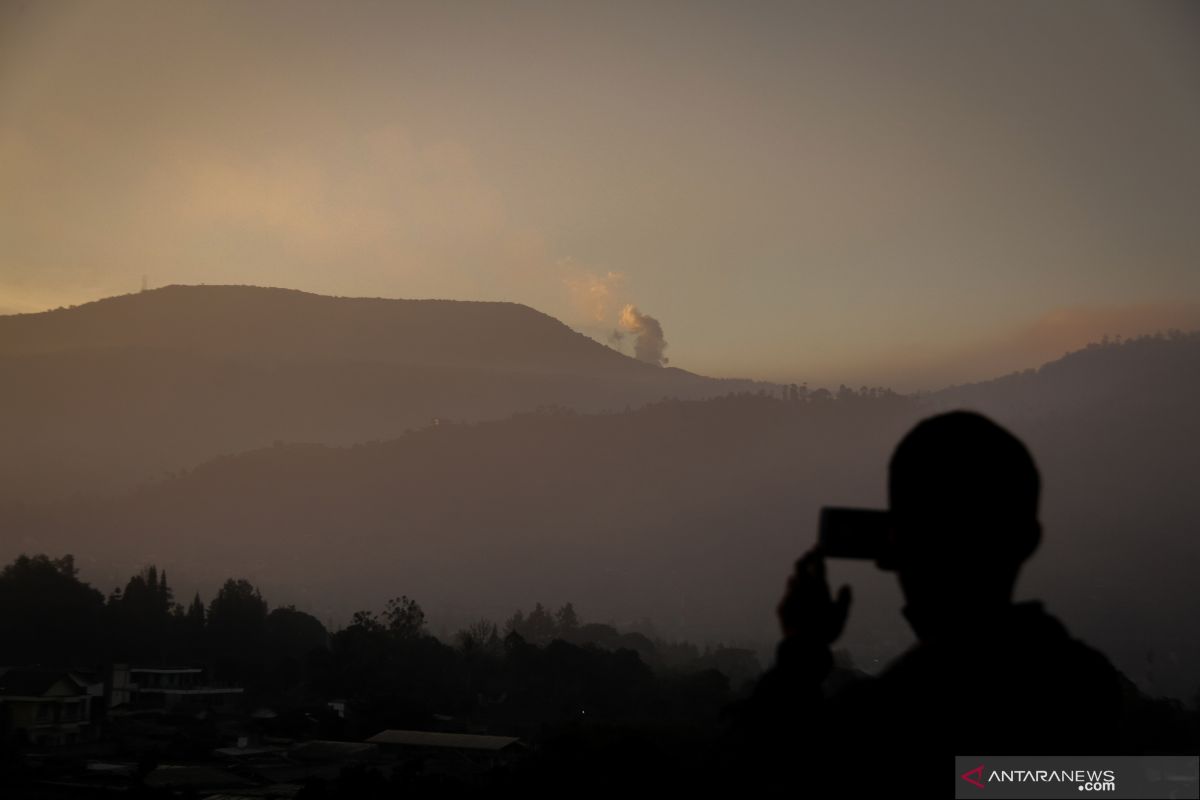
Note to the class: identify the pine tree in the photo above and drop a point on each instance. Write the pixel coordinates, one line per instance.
(566, 622)
(165, 595)
(540, 625)
(195, 612)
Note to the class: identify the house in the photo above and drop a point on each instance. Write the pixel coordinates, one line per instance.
(460, 754)
(439, 741)
(167, 689)
(46, 707)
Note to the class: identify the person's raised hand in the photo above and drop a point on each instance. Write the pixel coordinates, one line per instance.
(808, 610)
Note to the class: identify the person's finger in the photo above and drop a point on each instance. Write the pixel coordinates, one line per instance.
(803, 561)
(841, 613)
(814, 564)
(845, 596)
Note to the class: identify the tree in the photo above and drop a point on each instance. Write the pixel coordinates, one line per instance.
(237, 604)
(567, 622)
(195, 613)
(404, 618)
(140, 617)
(237, 619)
(366, 622)
(539, 627)
(47, 614)
(147, 595)
(515, 623)
(293, 634)
(480, 635)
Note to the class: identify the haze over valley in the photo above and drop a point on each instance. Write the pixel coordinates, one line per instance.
(484, 457)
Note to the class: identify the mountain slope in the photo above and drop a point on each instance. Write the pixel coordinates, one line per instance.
(285, 324)
(105, 395)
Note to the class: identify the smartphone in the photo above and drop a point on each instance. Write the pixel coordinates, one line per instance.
(854, 533)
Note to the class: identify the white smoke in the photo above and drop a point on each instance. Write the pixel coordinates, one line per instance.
(598, 297)
(650, 344)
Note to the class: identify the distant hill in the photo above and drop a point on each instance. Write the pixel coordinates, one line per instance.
(251, 322)
(104, 395)
(1099, 374)
(688, 513)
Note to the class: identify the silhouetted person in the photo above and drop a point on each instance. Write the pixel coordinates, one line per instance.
(987, 675)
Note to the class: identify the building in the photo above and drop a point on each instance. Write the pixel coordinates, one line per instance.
(463, 755)
(168, 689)
(47, 707)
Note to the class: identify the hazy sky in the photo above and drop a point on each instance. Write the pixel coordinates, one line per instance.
(870, 193)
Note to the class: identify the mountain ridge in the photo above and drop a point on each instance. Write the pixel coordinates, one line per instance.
(110, 393)
(257, 321)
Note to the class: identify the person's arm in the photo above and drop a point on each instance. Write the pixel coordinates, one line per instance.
(811, 620)
(784, 717)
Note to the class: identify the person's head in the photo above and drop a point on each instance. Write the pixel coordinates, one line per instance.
(963, 494)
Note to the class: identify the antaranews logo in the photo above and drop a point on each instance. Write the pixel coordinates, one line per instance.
(1031, 777)
(1087, 780)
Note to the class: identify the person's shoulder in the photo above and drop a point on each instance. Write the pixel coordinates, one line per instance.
(1061, 651)
(1031, 620)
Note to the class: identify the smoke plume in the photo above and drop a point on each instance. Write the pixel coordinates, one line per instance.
(650, 343)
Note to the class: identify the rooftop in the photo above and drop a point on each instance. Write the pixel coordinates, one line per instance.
(462, 741)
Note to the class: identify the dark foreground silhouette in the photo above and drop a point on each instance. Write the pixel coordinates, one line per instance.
(987, 675)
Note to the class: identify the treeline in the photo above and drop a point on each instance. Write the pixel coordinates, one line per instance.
(543, 626)
(538, 669)
(49, 617)
(590, 699)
